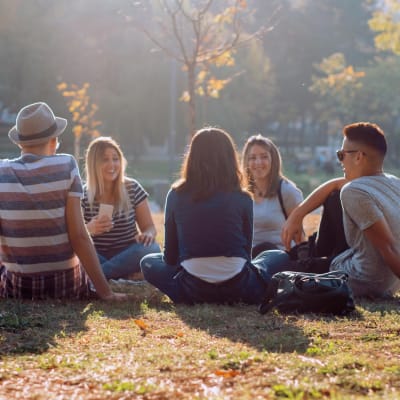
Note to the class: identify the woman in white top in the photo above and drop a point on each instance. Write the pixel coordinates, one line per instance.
(274, 195)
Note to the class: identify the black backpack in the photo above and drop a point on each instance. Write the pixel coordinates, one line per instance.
(304, 292)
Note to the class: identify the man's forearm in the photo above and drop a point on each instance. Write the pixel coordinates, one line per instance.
(293, 228)
(318, 196)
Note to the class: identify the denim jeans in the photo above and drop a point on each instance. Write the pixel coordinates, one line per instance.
(127, 261)
(249, 286)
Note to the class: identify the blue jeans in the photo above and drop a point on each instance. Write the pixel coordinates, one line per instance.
(249, 286)
(127, 261)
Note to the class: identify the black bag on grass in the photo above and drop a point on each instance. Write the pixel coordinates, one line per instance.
(304, 292)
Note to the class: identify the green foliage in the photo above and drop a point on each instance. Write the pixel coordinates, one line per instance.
(202, 36)
(371, 94)
(386, 22)
(134, 88)
(118, 386)
(337, 87)
(237, 111)
(83, 112)
(379, 90)
(284, 392)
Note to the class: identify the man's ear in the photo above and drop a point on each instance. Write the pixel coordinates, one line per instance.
(52, 145)
(360, 155)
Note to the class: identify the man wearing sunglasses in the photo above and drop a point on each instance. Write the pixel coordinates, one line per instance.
(369, 201)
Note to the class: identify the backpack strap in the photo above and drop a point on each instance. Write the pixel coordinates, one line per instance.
(281, 199)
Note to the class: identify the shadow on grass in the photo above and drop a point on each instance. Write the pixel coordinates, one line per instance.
(384, 306)
(33, 327)
(272, 332)
(243, 324)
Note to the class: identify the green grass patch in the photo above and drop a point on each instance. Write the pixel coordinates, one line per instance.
(152, 349)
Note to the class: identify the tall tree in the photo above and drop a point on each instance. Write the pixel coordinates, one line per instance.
(306, 32)
(200, 35)
(249, 100)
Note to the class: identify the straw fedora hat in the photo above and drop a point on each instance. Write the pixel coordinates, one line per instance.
(36, 124)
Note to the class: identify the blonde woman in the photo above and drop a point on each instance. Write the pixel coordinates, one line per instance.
(274, 195)
(127, 232)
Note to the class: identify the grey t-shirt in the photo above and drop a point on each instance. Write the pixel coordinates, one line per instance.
(365, 201)
(268, 215)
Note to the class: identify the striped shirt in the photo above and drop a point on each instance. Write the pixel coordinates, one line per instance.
(33, 195)
(124, 230)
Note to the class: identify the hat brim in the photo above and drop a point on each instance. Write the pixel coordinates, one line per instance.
(14, 136)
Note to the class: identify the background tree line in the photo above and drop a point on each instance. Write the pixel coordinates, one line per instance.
(319, 65)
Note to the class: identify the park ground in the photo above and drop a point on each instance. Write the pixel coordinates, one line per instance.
(151, 349)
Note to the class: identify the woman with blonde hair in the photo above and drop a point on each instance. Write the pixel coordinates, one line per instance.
(208, 230)
(124, 234)
(274, 195)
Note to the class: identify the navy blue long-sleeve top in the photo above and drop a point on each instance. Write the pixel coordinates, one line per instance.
(221, 225)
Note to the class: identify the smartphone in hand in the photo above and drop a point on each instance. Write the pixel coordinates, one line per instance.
(106, 209)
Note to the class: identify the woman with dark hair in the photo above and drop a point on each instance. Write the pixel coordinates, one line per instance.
(274, 195)
(208, 230)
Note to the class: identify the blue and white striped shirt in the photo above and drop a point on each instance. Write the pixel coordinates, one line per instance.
(33, 195)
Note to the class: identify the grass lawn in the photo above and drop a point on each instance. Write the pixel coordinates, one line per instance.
(151, 349)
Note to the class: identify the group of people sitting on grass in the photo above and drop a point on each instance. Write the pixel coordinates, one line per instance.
(229, 227)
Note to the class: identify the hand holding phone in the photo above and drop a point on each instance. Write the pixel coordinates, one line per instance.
(106, 209)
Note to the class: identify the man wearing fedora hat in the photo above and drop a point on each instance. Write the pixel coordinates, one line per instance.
(43, 239)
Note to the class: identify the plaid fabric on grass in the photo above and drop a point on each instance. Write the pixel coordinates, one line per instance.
(66, 284)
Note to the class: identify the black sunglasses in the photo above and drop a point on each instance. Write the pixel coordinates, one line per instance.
(341, 153)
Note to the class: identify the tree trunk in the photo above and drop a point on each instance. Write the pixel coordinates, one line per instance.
(192, 103)
(77, 145)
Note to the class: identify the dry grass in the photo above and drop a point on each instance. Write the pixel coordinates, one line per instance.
(311, 222)
(158, 219)
(151, 349)
(155, 350)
